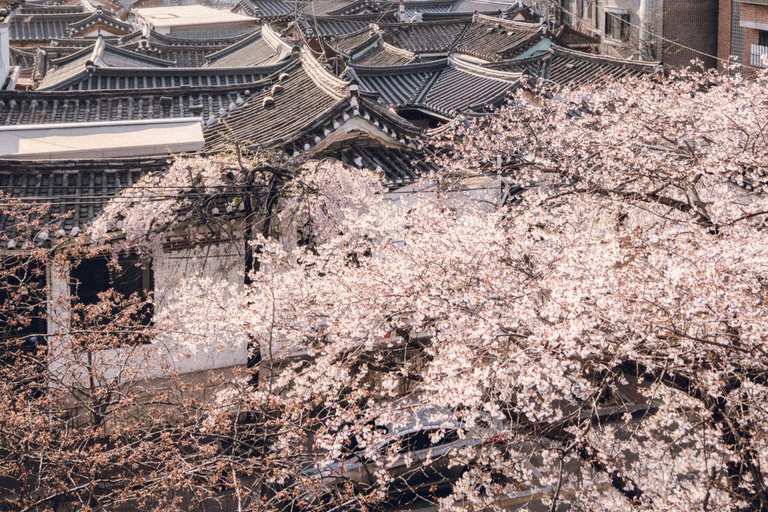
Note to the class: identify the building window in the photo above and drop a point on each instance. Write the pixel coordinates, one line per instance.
(583, 6)
(23, 302)
(617, 26)
(762, 38)
(130, 276)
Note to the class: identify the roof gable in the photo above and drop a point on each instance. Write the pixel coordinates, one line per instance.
(444, 87)
(263, 47)
(99, 21)
(494, 39)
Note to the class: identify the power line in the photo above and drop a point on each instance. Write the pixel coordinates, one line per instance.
(622, 20)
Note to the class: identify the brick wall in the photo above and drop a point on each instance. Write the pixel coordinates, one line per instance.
(756, 14)
(724, 30)
(692, 23)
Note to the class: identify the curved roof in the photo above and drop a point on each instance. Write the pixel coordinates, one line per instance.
(563, 66)
(445, 87)
(263, 47)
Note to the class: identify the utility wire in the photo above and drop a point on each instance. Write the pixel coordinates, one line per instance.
(622, 20)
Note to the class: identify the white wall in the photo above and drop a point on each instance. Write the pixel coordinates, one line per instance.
(164, 356)
(5, 49)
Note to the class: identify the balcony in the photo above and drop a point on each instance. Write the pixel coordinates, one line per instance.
(759, 56)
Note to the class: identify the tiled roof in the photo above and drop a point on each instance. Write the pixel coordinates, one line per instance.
(572, 38)
(23, 57)
(338, 7)
(181, 56)
(269, 10)
(325, 26)
(495, 39)
(426, 37)
(445, 87)
(34, 28)
(384, 54)
(563, 67)
(77, 191)
(97, 18)
(301, 107)
(262, 48)
(349, 44)
(398, 85)
(46, 107)
(467, 87)
(28, 8)
(115, 68)
(79, 65)
(399, 166)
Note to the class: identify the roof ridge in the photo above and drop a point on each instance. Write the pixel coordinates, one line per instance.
(400, 51)
(426, 86)
(478, 70)
(135, 55)
(605, 58)
(98, 51)
(414, 67)
(256, 34)
(324, 79)
(532, 27)
(273, 39)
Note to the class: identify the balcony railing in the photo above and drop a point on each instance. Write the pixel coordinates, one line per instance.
(759, 55)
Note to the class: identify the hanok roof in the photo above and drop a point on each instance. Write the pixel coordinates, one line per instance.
(184, 52)
(78, 66)
(426, 10)
(76, 190)
(339, 7)
(187, 56)
(384, 54)
(46, 107)
(39, 28)
(572, 38)
(349, 44)
(438, 37)
(23, 58)
(444, 87)
(28, 8)
(563, 67)
(400, 166)
(301, 108)
(367, 48)
(495, 39)
(262, 48)
(326, 26)
(269, 10)
(130, 70)
(101, 21)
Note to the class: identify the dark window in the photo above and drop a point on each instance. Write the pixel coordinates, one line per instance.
(762, 38)
(128, 276)
(422, 440)
(617, 26)
(23, 301)
(583, 6)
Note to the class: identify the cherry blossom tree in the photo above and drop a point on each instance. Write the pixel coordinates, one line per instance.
(595, 342)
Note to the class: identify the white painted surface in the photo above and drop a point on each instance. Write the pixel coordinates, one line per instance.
(166, 355)
(101, 140)
(163, 19)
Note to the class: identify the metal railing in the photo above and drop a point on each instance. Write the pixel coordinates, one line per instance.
(759, 55)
